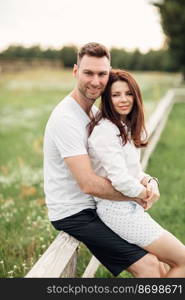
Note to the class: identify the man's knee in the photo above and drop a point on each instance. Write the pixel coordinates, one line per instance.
(145, 267)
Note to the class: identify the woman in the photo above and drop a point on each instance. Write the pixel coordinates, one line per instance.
(116, 134)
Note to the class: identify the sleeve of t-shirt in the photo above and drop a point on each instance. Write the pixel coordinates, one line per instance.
(109, 152)
(69, 137)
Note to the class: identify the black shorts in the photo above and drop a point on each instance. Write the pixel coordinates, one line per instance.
(111, 250)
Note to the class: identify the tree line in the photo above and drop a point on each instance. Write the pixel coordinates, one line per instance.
(171, 58)
(172, 13)
(153, 60)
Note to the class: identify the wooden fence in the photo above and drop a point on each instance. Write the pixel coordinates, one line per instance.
(59, 260)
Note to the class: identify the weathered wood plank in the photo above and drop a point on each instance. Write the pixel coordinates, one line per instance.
(156, 124)
(160, 111)
(91, 268)
(55, 259)
(70, 269)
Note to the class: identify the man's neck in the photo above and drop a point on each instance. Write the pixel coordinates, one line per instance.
(85, 103)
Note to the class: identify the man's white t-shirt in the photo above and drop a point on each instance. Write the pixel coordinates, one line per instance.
(65, 136)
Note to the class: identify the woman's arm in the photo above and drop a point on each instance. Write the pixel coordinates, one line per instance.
(105, 147)
(90, 183)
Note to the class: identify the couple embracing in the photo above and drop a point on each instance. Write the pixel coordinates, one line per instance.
(93, 181)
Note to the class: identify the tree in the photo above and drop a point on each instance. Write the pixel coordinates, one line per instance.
(68, 56)
(51, 54)
(173, 22)
(135, 60)
(14, 51)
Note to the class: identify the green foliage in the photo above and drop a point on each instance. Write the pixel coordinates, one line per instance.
(168, 164)
(119, 58)
(68, 55)
(22, 52)
(173, 23)
(151, 61)
(51, 54)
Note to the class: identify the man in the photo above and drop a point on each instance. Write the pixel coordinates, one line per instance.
(69, 181)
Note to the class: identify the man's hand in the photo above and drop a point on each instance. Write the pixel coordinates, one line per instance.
(142, 198)
(141, 202)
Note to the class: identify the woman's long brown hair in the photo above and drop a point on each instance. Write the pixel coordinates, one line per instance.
(134, 120)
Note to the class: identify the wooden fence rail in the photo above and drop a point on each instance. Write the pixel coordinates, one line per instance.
(59, 260)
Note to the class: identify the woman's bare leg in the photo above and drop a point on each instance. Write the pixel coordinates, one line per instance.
(164, 268)
(146, 267)
(169, 250)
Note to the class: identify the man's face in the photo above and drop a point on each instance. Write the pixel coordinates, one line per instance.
(92, 75)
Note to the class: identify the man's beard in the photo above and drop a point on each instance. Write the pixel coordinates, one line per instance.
(88, 97)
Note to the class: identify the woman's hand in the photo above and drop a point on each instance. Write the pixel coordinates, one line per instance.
(142, 198)
(154, 193)
(145, 180)
(145, 193)
(150, 193)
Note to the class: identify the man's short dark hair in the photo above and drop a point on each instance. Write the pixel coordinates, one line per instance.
(93, 49)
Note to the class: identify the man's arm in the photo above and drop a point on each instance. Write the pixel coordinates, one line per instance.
(90, 183)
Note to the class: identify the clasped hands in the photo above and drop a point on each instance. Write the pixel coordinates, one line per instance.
(150, 194)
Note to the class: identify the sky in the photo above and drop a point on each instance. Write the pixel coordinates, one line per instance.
(128, 24)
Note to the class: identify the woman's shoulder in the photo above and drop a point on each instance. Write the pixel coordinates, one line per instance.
(105, 124)
(104, 130)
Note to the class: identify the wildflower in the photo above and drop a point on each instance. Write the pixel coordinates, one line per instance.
(11, 272)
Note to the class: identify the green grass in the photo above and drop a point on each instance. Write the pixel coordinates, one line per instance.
(168, 164)
(26, 100)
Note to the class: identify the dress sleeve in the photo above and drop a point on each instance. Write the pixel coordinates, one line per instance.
(69, 137)
(106, 146)
(141, 174)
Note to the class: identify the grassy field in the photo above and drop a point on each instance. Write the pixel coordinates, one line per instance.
(26, 100)
(168, 164)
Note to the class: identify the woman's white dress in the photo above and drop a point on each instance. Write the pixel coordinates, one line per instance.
(121, 165)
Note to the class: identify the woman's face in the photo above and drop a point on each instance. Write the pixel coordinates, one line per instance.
(122, 98)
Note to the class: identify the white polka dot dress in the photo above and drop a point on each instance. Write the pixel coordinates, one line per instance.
(129, 220)
(121, 165)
